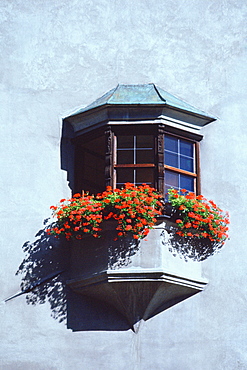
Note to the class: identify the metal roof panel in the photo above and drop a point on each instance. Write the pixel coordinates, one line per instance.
(143, 94)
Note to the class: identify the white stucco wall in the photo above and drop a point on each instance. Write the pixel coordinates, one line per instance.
(57, 56)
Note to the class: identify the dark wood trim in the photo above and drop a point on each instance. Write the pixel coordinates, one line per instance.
(186, 135)
(181, 136)
(109, 157)
(93, 153)
(198, 168)
(159, 159)
(139, 165)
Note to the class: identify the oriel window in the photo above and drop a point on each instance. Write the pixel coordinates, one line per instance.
(138, 134)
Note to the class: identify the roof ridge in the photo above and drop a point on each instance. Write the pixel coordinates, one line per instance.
(113, 92)
(161, 97)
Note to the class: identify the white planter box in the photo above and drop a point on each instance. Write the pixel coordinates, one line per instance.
(140, 281)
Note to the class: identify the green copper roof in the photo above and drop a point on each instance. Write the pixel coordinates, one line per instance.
(145, 94)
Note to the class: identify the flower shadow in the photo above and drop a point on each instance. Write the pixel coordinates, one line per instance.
(197, 249)
(45, 272)
(121, 251)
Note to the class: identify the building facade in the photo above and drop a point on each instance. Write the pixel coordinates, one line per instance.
(58, 58)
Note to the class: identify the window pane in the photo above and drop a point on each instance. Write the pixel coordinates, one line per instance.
(135, 149)
(171, 159)
(144, 175)
(187, 182)
(144, 156)
(125, 156)
(167, 187)
(186, 148)
(186, 164)
(125, 141)
(171, 179)
(144, 141)
(171, 143)
(124, 175)
(179, 154)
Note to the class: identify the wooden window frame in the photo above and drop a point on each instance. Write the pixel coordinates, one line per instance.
(196, 157)
(158, 164)
(134, 132)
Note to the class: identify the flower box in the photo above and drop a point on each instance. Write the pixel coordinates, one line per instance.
(124, 252)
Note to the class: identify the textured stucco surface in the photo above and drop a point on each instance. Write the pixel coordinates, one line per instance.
(57, 56)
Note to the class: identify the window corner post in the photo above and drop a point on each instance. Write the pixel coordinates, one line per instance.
(109, 157)
(159, 154)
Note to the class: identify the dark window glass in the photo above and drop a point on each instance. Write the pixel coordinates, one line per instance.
(144, 156)
(186, 148)
(136, 176)
(124, 175)
(171, 143)
(186, 164)
(178, 181)
(187, 182)
(171, 159)
(125, 142)
(135, 149)
(144, 141)
(125, 156)
(144, 175)
(179, 153)
(172, 179)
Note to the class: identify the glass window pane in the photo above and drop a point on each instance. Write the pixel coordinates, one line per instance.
(125, 156)
(187, 182)
(144, 141)
(171, 179)
(171, 159)
(125, 141)
(186, 148)
(144, 156)
(171, 143)
(186, 164)
(167, 187)
(144, 176)
(125, 175)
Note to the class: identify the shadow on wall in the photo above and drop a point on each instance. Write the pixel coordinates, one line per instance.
(45, 270)
(188, 248)
(67, 153)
